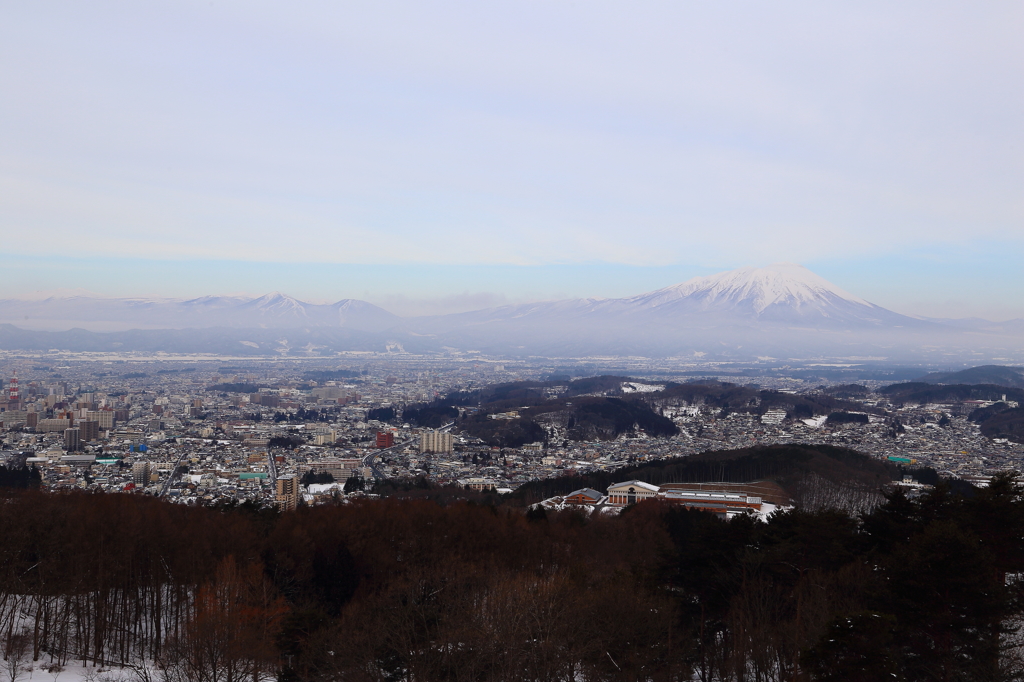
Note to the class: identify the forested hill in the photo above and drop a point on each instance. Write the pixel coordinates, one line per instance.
(586, 418)
(1000, 420)
(797, 468)
(735, 398)
(605, 408)
(595, 408)
(998, 375)
(923, 393)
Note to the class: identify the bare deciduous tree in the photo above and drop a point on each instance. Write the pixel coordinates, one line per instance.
(16, 646)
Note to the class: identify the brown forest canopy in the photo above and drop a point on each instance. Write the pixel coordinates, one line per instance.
(410, 589)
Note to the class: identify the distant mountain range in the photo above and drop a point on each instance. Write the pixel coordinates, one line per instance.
(775, 310)
(276, 311)
(782, 310)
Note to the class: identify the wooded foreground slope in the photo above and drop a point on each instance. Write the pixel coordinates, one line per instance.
(413, 590)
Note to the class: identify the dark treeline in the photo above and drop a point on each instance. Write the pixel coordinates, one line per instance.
(595, 408)
(1000, 421)
(983, 414)
(19, 477)
(846, 391)
(734, 398)
(996, 421)
(287, 442)
(922, 393)
(516, 394)
(847, 418)
(585, 418)
(313, 477)
(413, 590)
(1007, 424)
(608, 418)
(503, 433)
(305, 415)
(430, 415)
(383, 414)
(235, 388)
(1000, 375)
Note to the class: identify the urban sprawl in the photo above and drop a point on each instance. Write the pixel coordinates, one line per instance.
(199, 430)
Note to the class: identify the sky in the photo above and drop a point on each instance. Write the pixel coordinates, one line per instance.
(442, 156)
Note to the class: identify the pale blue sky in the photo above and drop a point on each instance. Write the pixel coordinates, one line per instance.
(436, 156)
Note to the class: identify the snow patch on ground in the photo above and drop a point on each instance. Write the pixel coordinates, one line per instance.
(74, 671)
(322, 488)
(630, 387)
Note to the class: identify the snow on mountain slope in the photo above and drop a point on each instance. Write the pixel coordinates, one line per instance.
(351, 312)
(273, 310)
(782, 310)
(778, 284)
(779, 307)
(784, 293)
(277, 306)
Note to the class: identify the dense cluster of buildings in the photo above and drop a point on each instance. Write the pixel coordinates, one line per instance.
(200, 429)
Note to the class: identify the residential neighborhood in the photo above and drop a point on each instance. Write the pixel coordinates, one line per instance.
(201, 430)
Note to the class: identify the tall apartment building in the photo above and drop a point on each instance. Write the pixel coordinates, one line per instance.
(287, 494)
(385, 439)
(52, 425)
(72, 439)
(105, 418)
(436, 441)
(90, 430)
(326, 437)
(140, 473)
(329, 392)
(14, 418)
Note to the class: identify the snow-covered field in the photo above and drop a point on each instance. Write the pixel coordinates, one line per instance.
(74, 671)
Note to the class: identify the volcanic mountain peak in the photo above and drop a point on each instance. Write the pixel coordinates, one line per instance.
(758, 288)
(276, 304)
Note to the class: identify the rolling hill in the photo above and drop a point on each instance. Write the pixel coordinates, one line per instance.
(997, 375)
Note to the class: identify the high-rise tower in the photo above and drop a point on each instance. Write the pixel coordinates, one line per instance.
(14, 397)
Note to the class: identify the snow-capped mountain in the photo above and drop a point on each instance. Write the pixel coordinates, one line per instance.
(779, 307)
(783, 292)
(782, 310)
(273, 311)
(778, 294)
(754, 288)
